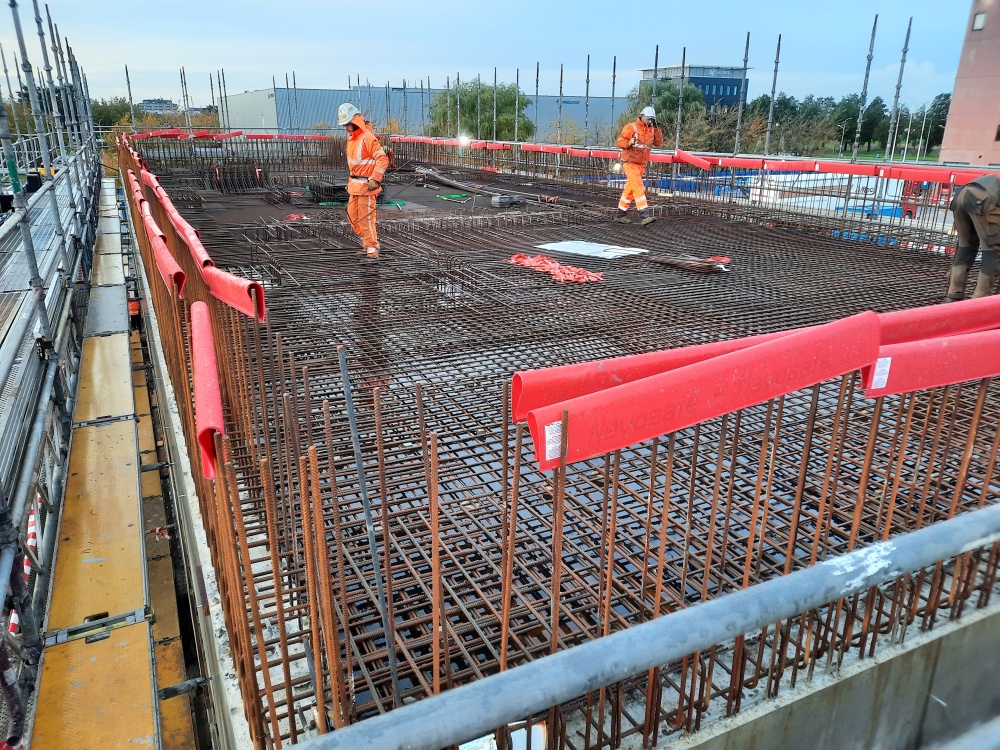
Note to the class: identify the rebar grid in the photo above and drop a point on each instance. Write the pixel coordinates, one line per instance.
(753, 494)
(469, 534)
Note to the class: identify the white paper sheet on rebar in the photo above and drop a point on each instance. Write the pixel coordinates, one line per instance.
(592, 249)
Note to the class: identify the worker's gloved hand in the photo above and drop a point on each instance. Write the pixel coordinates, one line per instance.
(372, 185)
(633, 141)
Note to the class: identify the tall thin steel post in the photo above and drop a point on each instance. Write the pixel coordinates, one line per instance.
(187, 101)
(495, 136)
(69, 104)
(24, 225)
(424, 123)
(535, 134)
(219, 85)
(388, 106)
(132, 107)
(10, 89)
(612, 113)
(908, 135)
(406, 125)
(57, 114)
(377, 569)
(772, 97)
(587, 92)
(226, 96)
(654, 80)
(65, 250)
(459, 131)
(918, 151)
(518, 110)
(295, 99)
(892, 131)
(288, 104)
(560, 107)
(678, 116)
(862, 96)
(448, 105)
(478, 106)
(212, 99)
(741, 97)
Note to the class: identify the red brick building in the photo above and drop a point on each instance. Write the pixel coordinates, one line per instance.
(972, 128)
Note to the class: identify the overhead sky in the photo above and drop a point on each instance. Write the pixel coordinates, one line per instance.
(824, 44)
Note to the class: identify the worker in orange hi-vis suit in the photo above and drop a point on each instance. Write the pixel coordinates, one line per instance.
(636, 140)
(367, 163)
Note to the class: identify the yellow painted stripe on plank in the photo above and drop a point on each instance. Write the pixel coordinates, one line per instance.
(97, 695)
(99, 560)
(107, 270)
(105, 378)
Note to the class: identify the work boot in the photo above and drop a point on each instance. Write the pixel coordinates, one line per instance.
(622, 217)
(646, 218)
(958, 283)
(986, 285)
(371, 252)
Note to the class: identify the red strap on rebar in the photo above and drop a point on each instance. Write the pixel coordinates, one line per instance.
(242, 294)
(290, 137)
(320, 138)
(531, 389)
(534, 147)
(259, 136)
(584, 153)
(604, 153)
(930, 363)
(556, 269)
(205, 379)
(547, 149)
(935, 321)
(662, 158)
(963, 177)
(224, 136)
(919, 174)
(495, 146)
(616, 417)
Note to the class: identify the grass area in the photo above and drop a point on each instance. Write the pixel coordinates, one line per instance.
(876, 154)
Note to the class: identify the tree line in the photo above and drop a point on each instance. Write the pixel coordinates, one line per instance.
(813, 126)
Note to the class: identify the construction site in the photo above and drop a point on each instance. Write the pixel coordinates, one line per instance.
(532, 478)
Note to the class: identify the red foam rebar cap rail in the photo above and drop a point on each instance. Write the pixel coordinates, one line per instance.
(934, 321)
(930, 363)
(627, 414)
(531, 389)
(205, 378)
(696, 161)
(242, 294)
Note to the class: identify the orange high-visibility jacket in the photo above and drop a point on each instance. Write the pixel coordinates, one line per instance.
(648, 136)
(366, 158)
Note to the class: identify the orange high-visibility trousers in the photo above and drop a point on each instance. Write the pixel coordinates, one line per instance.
(634, 190)
(362, 215)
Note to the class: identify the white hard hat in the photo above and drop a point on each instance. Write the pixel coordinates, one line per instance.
(648, 112)
(345, 112)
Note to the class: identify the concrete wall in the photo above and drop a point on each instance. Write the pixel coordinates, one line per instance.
(934, 687)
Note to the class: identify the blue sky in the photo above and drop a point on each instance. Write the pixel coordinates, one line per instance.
(823, 53)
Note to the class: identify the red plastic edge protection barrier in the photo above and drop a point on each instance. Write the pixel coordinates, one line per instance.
(930, 363)
(696, 161)
(242, 294)
(627, 414)
(182, 227)
(205, 377)
(224, 136)
(170, 271)
(532, 389)
(934, 321)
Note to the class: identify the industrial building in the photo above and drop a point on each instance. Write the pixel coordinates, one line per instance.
(721, 86)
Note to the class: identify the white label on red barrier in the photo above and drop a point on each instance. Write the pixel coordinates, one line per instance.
(552, 432)
(880, 372)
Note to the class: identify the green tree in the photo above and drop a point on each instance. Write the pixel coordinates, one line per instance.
(938, 112)
(443, 112)
(109, 111)
(665, 104)
(874, 114)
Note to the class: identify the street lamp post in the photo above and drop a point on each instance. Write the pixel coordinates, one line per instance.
(841, 142)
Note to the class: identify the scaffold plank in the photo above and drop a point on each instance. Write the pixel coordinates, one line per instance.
(108, 270)
(105, 379)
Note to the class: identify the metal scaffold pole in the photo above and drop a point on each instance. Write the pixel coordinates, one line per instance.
(862, 96)
(741, 97)
(772, 97)
(892, 132)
